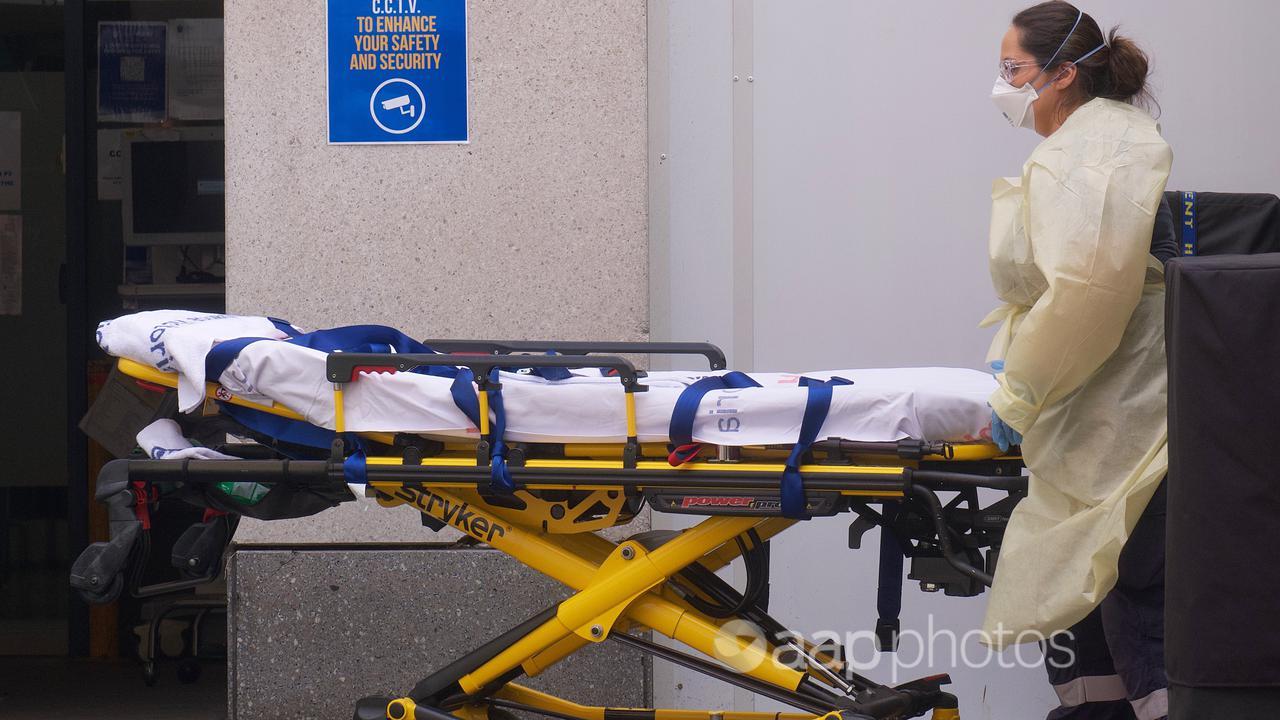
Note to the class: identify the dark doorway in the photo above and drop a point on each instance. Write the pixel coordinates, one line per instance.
(110, 201)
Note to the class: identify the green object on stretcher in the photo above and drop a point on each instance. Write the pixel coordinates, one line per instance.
(245, 493)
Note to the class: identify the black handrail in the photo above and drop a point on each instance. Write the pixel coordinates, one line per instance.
(714, 355)
(322, 473)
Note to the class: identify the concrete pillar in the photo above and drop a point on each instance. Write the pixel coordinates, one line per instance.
(535, 229)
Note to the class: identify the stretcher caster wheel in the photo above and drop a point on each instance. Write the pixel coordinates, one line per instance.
(189, 670)
(108, 595)
(149, 674)
(372, 708)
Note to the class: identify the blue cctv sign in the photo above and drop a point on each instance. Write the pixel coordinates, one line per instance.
(397, 71)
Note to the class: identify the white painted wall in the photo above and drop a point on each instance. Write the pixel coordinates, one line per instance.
(699, 167)
(874, 149)
(697, 277)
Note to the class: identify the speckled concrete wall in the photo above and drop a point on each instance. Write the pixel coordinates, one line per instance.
(316, 630)
(535, 229)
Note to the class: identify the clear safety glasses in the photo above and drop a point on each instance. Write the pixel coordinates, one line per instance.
(1009, 67)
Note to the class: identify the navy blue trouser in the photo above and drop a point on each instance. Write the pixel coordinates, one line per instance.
(1110, 666)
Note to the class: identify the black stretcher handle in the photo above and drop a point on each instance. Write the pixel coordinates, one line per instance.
(301, 473)
(714, 355)
(341, 367)
(938, 514)
(945, 480)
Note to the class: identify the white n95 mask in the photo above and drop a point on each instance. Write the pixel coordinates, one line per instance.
(1015, 103)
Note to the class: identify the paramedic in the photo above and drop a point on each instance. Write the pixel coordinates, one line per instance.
(1081, 365)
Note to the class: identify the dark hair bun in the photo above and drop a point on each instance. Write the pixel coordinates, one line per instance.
(1128, 69)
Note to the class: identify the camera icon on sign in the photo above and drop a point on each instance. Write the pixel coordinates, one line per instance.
(397, 106)
(401, 103)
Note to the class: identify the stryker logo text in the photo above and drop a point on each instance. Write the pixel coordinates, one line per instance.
(458, 515)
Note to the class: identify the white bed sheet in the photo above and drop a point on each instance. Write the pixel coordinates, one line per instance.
(887, 404)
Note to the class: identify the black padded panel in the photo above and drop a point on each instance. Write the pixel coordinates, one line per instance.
(1231, 223)
(1223, 579)
(1222, 703)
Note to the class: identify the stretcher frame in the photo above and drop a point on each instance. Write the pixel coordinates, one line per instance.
(652, 581)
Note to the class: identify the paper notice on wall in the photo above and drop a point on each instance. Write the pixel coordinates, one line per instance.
(10, 264)
(10, 161)
(131, 71)
(195, 69)
(110, 165)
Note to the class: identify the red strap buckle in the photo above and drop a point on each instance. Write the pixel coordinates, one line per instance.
(683, 454)
(143, 496)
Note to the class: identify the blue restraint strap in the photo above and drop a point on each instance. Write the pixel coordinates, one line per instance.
(464, 396)
(354, 468)
(815, 414)
(377, 339)
(551, 373)
(284, 429)
(360, 338)
(681, 430)
(217, 360)
(284, 327)
(1190, 241)
(889, 585)
(353, 338)
(499, 475)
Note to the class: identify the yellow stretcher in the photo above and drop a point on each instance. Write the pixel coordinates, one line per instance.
(663, 582)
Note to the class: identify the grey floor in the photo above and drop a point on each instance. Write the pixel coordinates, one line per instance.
(44, 687)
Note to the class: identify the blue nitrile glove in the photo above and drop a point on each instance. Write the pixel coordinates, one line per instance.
(1002, 435)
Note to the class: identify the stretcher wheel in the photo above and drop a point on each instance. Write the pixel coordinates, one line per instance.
(189, 670)
(109, 594)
